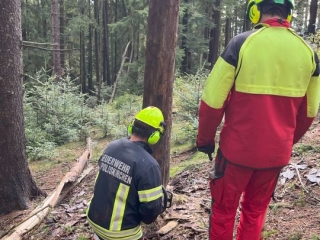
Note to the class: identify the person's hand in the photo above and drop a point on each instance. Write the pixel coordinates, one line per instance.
(208, 149)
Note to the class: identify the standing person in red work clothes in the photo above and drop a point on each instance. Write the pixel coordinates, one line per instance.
(266, 84)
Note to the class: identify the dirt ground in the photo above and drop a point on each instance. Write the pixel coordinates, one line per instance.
(294, 215)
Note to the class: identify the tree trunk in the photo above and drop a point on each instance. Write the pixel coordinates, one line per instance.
(227, 33)
(24, 9)
(62, 58)
(246, 22)
(97, 47)
(83, 75)
(313, 17)
(115, 42)
(57, 70)
(184, 65)
(159, 70)
(16, 184)
(235, 20)
(90, 75)
(215, 34)
(106, 65)
(43, 20)
(306, 16)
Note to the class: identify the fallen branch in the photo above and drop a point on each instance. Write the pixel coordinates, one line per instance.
(124, 58)
(50, 49)
(39, 213)
(167, 228)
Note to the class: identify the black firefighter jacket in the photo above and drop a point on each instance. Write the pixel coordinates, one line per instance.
(127, 191)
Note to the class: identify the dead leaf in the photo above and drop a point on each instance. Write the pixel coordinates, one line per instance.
(314, 176)
(288, 174)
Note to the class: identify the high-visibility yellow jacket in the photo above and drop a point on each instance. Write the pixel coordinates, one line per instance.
(127, 190)
(266, 84)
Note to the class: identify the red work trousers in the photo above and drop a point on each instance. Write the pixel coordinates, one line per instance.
(228, 184)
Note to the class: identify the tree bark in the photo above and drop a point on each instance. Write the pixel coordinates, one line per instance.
(185, 60)
(246, 22)
(83, 75)
(215, 34)
(16, 183)
(159, 70)
(227, 32)
(90, 69)
(97, 47)
(313, 17)
(106, 65)
(57, 70)
(62, 57)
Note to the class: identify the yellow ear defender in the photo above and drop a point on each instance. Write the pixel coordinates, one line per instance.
(254, 14)
(153, 117)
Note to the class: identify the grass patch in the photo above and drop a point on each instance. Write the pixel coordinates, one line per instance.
(315, 237)
(268, 234)
(307, 148)
(195, 160)
(294, 236)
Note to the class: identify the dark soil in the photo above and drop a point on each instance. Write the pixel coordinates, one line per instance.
(294, 215)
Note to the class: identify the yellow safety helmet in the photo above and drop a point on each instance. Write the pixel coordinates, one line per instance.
(153, 117)
(254, 14)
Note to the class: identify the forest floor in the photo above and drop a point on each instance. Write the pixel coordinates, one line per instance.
(294, 215)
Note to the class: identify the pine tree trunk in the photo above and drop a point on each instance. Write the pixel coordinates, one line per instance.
(16, 183)
(115, 61)
(235, 20)
(306, 15)
(43, 20)
(106, 65)
(185, 60)
(159, 70)
(215, 34)
(313, 17)
(227, 33)
(83, 74)
(97, 48)
(246, 22)
(90, 74)
(62, 57)
(57, 70)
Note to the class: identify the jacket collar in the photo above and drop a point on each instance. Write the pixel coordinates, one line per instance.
(274, 22)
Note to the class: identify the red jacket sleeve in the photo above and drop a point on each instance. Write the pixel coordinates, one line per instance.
(209, 120)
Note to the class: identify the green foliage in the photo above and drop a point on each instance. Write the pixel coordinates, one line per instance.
(294, 236)
(187, 94)
(306, 148)
(57, 113)
(269, 234)
(54, 115)
(315, 237)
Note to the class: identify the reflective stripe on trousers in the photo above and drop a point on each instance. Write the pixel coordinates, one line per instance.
(96, 237)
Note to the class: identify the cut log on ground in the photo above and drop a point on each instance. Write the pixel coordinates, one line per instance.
(66, 184)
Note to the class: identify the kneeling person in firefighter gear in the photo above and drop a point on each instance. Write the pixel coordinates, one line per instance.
(128, 188)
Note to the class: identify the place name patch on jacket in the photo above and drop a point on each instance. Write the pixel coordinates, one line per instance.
(115, 168)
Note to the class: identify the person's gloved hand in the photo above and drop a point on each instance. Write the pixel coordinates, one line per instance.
(208, 149)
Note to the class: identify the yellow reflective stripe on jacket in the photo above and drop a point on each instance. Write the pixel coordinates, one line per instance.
(129, 234)
(119, 207)
(256, 75)
(219, 84)
(150, 194)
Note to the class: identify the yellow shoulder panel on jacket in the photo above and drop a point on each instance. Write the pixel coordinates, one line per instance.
(218, 84)
(287, 75)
